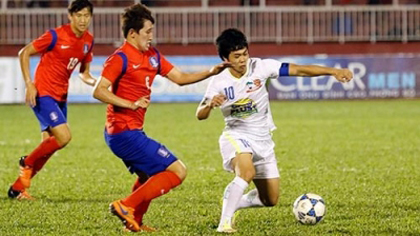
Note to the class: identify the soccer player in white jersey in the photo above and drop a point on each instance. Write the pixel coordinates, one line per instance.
(246, 144)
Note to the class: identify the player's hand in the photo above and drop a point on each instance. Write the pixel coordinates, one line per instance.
(30, 96)
(217, 100)
(343, 75)
(219, 68)
(142, 102)
(88, 79)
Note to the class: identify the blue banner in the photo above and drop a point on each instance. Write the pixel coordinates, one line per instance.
(391, 76)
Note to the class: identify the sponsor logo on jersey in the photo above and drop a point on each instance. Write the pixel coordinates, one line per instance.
(85, 48)
(253, 85)
(153, 61)
(243, 108)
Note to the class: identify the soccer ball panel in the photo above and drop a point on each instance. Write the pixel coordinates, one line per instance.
(319, 209)
(313, 196)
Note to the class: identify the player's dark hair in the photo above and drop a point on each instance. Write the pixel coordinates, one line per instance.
(134, 17)
(78, 5)
(230, 40)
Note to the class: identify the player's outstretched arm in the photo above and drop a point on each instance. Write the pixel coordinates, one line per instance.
(85, 74)
(181, 78)
(31, 92)
(102, 93)
(342, 75)
(205, 107)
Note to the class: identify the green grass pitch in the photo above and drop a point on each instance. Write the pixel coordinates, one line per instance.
(362, 157)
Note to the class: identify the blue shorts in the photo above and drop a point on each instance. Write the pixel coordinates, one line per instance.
(139, 152)
(49, 112)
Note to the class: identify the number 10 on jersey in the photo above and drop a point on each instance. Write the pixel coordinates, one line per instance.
(230, 94)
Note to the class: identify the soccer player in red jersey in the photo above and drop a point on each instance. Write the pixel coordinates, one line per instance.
(61, 49)
(130, 72)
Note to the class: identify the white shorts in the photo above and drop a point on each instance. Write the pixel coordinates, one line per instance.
(263, 156)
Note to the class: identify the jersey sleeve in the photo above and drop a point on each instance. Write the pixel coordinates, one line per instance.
(272, 67)
(42, 43)
(112, 68)
(211, 90)
(165, 66)
(88, 58)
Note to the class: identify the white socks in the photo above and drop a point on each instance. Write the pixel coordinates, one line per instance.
(232, 196)
(251, 199)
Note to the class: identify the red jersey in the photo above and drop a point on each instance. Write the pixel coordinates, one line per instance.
(61, 50)
(140, 71)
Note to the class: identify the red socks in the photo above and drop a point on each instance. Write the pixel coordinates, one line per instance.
(46, 148)
(141, 209)
(37, 166)
(154, 187)
(38, 158)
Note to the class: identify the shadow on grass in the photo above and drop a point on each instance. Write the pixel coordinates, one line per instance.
(75, 200)
(43, 199)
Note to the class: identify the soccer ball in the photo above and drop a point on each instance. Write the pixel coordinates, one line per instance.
(309, 209)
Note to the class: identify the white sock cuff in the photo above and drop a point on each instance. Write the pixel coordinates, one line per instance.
(240, 182)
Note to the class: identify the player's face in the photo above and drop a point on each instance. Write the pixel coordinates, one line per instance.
(239, 59)
(80, 20)
(145, 36)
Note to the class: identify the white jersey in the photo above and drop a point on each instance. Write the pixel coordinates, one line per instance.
(247, 109)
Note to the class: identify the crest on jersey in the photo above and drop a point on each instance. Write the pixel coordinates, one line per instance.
(85, 48)
(243, 108)
(154, 62)
(253, 85)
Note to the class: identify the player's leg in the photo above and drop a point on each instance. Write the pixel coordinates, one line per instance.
(268, 191)
(165, 171)
(155, 187)
(244, 173)
(39, 164)
(250, 199)
(140, 210)
(266, 178)
(60, 137)
(52, 116)
(141, 153)
(265, 194)
(158, 184)
(18, 187)
(237, 155)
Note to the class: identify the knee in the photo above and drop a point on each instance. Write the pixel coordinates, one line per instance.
(63, 140)
(180, 171)
(182, 174)
(247, 175)
(270, 201)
